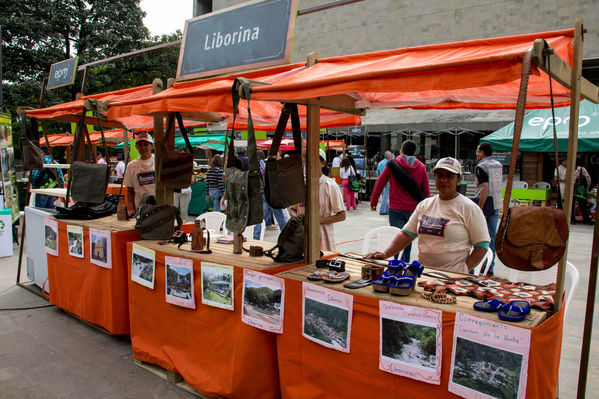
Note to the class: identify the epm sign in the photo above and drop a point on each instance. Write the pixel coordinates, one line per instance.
(252, 35)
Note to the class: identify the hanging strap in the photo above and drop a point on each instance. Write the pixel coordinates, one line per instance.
(518, 122)
(559, 194)
(170, 123)
(103, 138)
(288, 109)
(253, 167)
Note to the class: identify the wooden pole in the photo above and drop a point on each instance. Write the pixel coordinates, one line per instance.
(572, 150)
(160, 189)
(312, 217)
(588, 318)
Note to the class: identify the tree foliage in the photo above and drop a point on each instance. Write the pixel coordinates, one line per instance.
(36, 34)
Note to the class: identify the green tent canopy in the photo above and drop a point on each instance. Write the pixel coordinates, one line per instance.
(537, 131)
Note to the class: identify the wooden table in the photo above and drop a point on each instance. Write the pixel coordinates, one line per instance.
(307, 369)
(211, 348)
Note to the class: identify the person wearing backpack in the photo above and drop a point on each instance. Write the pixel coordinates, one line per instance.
(582, 184)
(46, 178)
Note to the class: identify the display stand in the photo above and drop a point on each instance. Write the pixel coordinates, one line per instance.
(92, 293)
(307, 369)
(211, 348)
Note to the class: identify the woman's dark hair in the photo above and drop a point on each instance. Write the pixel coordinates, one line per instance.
(217, 161)
(345, 163)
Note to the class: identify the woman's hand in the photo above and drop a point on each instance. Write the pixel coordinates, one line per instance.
(207, 197)
(376, 255)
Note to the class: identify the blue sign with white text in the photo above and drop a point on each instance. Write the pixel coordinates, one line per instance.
(255, 34)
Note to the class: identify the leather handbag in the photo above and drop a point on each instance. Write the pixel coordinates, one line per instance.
(31, 154)
(284, 178)
(86, 212)
(176, 168)
(243, 189)
(529, 238)
(290, 244)
(88, 181)
(156, 222)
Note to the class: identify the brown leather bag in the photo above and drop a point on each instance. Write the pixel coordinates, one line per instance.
(176, 168)
(529, 238)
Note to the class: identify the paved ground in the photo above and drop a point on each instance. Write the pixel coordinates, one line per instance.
(45, 353)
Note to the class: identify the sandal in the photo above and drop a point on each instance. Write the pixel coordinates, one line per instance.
(491, 305)
(404, 284)
(381, 284)
(335, 277)
(358, 284)
(316, 276)
(515, 310)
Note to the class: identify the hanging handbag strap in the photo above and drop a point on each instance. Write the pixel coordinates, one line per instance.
(78, 130)
(183, 130)
(560, 204)
(288, 109)
(253, 167)
(518, 122)
(103, 138)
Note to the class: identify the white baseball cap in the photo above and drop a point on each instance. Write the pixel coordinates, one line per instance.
(450, 164)
(144, 137)
(322, 154)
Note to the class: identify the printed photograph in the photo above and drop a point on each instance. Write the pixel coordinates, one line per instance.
(51, 238)
(178, 282)
(75, 240)
(217, 286)
(486, 369)
(410, 343)
(99, 248)
(262, 302)
(326, 323)
(142, 270)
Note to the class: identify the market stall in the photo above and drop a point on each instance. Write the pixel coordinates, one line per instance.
(203, 338)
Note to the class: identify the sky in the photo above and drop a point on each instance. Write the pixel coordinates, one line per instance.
(166, 16)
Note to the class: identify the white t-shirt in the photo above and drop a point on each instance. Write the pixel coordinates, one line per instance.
(344, 174)
(331, 203)
(140, 176)
(120, 169)
(336, 162)
(446, 231)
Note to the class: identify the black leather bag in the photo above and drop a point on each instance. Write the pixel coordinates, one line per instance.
(88, 181)
(176, 168)
(284, 178)
(243, 189)
(156, 222)
(290, 244)
(83, 211)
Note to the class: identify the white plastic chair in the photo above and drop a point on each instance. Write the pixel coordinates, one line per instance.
(385, 235)
(519, 184)
(214, 221)
(549, 276)
(249, 231)
(542, 185)
(483, 267)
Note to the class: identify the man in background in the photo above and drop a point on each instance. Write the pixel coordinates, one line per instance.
(401, 202)
(384, 210)
(488, 179)
(139, 176)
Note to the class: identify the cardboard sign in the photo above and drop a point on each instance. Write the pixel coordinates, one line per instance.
(252, 35)
(62, 73)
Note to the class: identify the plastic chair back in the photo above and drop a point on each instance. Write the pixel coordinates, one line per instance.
(215, 221)
(384, 235)
(542, 185)
(519, 184)
(483, 267)
(249, 231)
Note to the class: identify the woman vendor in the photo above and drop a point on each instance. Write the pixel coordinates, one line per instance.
(447, 225)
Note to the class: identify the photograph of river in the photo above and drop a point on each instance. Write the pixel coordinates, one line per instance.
(409, 343)
(486, 369)
(326, 323)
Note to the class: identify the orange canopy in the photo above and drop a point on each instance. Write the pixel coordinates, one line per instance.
(112, 137)
(480, 74)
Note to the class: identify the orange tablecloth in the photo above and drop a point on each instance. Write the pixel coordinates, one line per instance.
(92, 293)
(309, 370)
(213, 350)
